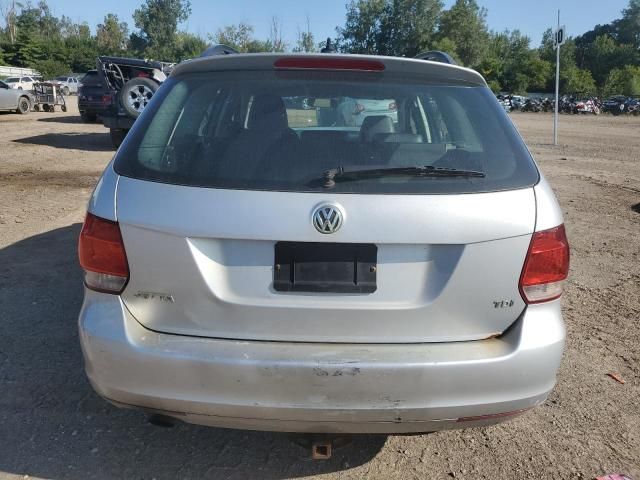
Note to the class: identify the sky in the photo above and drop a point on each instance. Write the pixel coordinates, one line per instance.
(532, 17)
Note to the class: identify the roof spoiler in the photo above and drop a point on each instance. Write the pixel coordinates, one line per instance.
(436, 56)
(214, 50)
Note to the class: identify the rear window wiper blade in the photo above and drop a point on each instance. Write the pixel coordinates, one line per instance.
(340, 174)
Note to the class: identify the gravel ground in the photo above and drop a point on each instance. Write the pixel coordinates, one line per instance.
(52, 425)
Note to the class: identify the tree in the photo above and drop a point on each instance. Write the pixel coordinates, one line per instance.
(389, 27)
(9, 14)
(276, 41)
(112, 35)
(465, 24)
(445, 44)
(240, 38)
(623, 81)
(568, 65)
(510, 63)
(411, 26)
(28, 47)
(577, 81)
(362, 31)
(628, 27)
(189, 45)
(605, 54)
(51, 68)
(157, 22)
(306, 42)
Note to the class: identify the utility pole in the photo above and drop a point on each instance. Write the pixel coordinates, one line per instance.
(559, 38)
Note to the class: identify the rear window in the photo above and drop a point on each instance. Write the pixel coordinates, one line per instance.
(90, 77)
(280, 131)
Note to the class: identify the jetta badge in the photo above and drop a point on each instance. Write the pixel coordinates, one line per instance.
(327, 218)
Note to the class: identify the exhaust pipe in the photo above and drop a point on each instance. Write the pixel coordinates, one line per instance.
(163, 421)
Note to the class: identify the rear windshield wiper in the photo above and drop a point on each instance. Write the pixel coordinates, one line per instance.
(340, 174)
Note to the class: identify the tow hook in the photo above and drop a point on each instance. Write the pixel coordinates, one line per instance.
(321, 450)
(321, 446)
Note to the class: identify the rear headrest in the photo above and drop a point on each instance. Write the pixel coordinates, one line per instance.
(268, 113)
(323, 136)
(374, 125)
(398, 138)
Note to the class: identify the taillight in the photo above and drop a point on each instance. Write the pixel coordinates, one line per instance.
(107, 99)
(102, 255)
(546, 266)
(329, 63)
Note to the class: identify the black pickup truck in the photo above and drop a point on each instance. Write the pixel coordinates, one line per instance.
(130, 83)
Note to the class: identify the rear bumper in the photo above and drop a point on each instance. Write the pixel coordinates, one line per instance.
(307, 387)
(112, 121)
(92, 107)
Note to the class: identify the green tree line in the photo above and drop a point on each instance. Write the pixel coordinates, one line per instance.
(603, 61)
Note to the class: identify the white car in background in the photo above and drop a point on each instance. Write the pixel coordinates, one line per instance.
(14, 100)
(21, 83)
(66, 85)
(353, 111)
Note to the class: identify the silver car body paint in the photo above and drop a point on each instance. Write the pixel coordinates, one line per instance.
(428, 347)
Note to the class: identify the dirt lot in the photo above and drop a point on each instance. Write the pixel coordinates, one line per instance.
(53, 426)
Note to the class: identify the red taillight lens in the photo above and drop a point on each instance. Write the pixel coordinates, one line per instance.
(107, 99)
(546, 266)
(102, 255)
(318, 63)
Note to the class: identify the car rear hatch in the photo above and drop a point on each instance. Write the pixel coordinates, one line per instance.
(224, 250)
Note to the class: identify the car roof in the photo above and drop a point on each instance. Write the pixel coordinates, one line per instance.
(452, 74)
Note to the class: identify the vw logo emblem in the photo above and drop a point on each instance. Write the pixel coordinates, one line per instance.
(327, 218)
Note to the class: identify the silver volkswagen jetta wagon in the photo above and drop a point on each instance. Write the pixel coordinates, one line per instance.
(252, 265)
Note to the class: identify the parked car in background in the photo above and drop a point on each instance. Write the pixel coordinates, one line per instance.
(352, 112)
(66, 85)
(617, 104)
(400, 274)
(21, 83)
(15, 100)
(94, 99)
(131, 83)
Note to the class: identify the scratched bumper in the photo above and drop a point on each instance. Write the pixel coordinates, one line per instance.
(320, 387)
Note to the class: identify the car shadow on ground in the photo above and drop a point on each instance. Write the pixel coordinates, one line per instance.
(53, 425)
(62, 119)
(90, 142)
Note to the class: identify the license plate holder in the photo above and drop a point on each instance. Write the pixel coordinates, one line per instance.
(325, 267)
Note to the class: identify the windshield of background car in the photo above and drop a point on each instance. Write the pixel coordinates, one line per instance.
(280, 131)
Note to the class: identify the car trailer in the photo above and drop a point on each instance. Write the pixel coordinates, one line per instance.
(47, 96)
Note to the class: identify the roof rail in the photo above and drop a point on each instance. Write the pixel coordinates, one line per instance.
(436, 56)
(218, 50)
